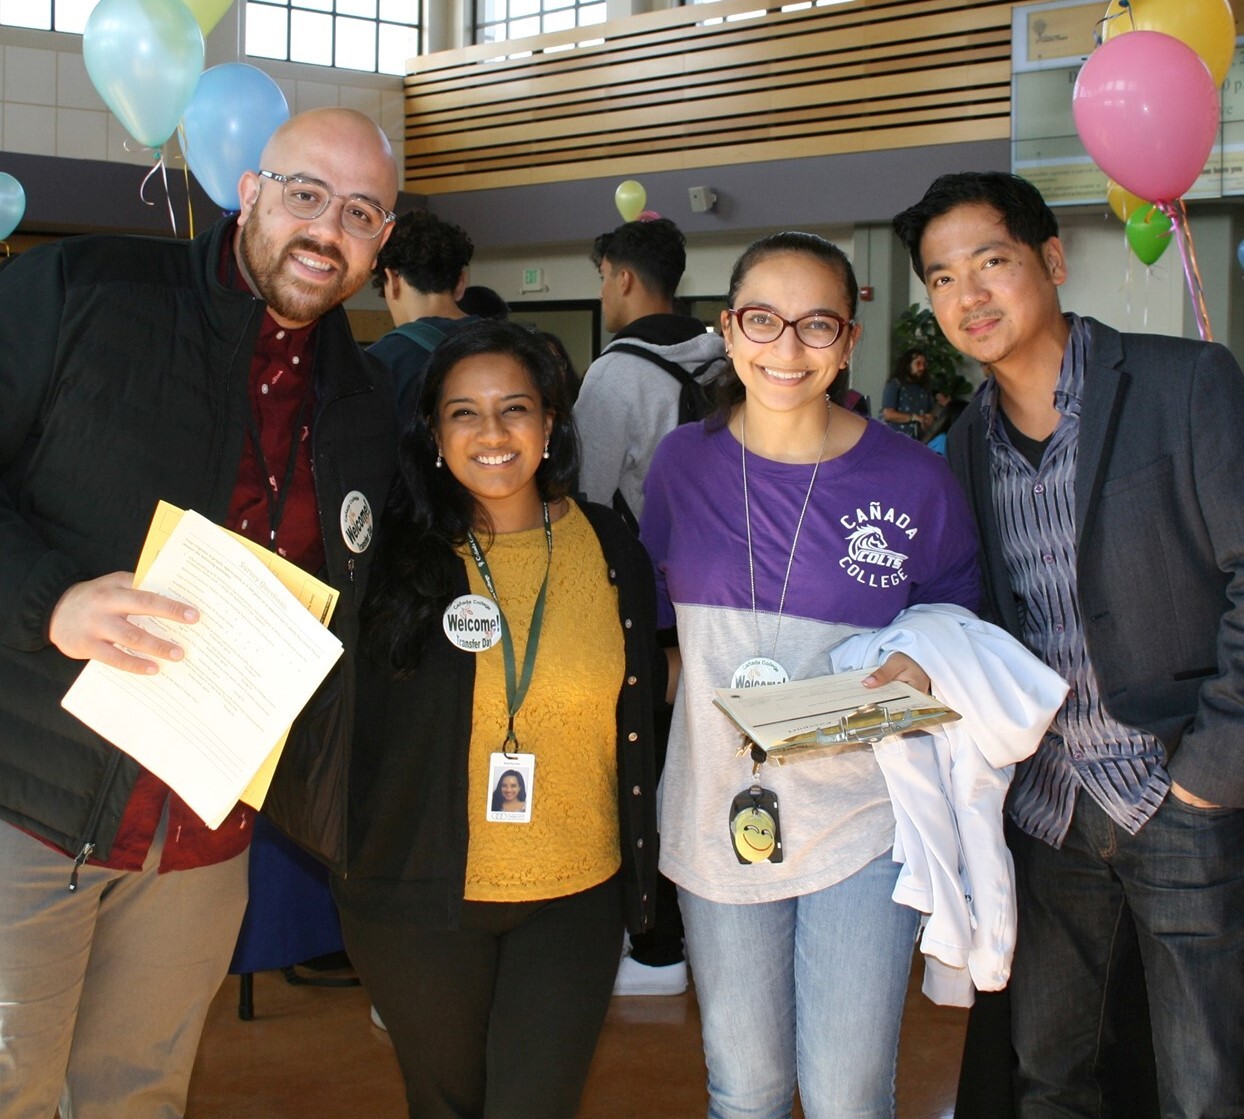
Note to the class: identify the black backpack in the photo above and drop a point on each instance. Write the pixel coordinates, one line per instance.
(694, 402)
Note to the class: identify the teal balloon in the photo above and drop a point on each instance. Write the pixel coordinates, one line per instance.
(234, 110)
(1148, 233)
(12, 204)
(144, 57)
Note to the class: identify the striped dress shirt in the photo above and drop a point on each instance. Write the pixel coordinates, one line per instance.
(1120, 767)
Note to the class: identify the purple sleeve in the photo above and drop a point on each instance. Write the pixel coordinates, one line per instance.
(954, 553)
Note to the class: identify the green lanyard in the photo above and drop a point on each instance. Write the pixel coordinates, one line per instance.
(516, 690)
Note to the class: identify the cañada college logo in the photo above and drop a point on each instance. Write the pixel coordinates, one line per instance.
(871, 560)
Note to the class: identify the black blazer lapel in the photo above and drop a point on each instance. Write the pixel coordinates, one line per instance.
(1104, 387)
(997, 580)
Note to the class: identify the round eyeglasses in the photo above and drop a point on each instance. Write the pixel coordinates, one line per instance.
(307, 199)
(817, 330)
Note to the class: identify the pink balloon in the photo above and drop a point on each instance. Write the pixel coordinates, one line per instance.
(1147, 110)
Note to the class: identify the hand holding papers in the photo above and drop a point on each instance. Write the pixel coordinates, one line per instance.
(827, 714)
(205, 724)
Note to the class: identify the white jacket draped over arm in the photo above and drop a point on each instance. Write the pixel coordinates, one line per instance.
(948, 787)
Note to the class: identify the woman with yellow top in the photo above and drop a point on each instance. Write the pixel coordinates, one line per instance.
(509, 633)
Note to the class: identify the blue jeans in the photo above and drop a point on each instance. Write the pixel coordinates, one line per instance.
(1180, 881)
(807, 991)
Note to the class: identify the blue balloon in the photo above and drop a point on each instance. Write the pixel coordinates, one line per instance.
(12, 204)
(144, 57)
(1239, 252)
(234, 110)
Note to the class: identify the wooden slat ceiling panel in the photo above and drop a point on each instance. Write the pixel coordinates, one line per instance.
(438, 111)
(670, 92)
(857, 105)
(701, 49)
(808, 123)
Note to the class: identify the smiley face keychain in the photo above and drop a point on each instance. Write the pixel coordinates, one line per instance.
(754, 828)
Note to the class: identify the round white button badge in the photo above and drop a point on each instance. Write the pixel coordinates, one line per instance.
(358, 526)
(472, 623)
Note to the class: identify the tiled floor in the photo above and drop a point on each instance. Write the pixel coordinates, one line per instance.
(312, 1053)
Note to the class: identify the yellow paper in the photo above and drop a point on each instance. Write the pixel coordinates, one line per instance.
(319, 598)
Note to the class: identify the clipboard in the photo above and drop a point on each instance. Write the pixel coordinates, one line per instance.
(826, 715)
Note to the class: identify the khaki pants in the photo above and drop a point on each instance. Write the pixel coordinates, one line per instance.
(103, 991)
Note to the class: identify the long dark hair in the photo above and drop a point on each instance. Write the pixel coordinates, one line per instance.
(496, 793)
(430, 512)
(727, 390)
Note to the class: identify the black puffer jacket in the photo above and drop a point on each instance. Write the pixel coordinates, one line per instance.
(124, 365)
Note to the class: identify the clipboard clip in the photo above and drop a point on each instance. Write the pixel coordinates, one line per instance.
(866, 725)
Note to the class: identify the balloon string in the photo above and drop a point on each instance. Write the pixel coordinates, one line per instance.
(1127, 279)
(1125, 9)
(1178, 213)
(181, 136)
(159, 167)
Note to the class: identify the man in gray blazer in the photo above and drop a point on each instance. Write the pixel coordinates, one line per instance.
(1106, 472)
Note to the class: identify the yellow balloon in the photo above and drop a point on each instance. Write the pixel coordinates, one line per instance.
(1207, 26)
(1123, 202)
(630, 198)
(208, 13)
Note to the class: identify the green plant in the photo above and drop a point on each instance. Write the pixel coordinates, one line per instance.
(917, 329)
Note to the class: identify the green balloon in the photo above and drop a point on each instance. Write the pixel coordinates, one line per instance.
(1148, 233)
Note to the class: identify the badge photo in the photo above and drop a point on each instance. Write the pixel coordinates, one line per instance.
(511, 788)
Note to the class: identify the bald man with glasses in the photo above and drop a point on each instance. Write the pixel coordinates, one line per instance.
(218, 374)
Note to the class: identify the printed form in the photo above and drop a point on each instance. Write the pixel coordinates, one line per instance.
(207, 724)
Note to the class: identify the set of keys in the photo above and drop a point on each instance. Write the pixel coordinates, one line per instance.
(758, 756)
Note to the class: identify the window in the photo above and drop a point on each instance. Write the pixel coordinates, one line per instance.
(500, 20)
(372, 35)
(47, 15)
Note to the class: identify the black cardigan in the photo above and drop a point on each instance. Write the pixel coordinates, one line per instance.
(407, 847)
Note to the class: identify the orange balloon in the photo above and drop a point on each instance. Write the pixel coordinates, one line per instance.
(1207, 26)
(1123, 202)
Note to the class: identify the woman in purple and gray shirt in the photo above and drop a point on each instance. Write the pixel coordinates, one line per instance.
(779, 527)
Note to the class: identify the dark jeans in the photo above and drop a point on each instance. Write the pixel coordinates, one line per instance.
(1180, 881)
(500, 1017)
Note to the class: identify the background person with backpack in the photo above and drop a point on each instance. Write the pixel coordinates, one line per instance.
(650, 379)
(421, 272)
(633, 394)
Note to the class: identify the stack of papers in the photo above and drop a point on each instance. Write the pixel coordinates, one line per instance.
(211, 726)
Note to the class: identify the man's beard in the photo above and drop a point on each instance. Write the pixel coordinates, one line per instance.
(285, 294)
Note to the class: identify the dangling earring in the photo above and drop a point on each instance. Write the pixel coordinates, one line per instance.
(546, 448)
(439, 460)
